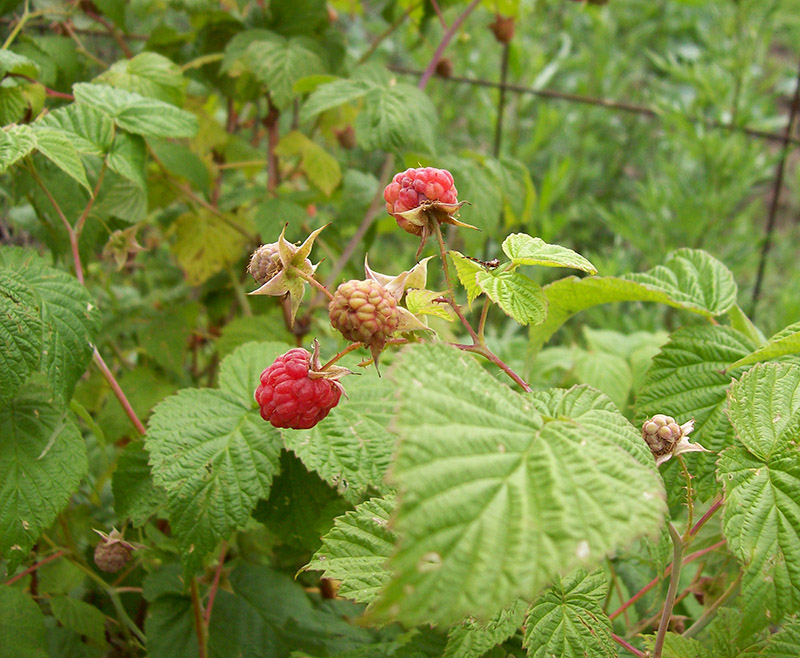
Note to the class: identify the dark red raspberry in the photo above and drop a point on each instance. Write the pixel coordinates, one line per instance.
(412, 187)
(290, 398)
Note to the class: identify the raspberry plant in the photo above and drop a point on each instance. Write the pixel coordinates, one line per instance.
(451, 470)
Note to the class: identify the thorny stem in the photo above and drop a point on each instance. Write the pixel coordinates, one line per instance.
(711, 510)
(674, 579)
(689, 558)
(709, 613)
(482, 321)
(34, 567)
(199, 626)
(627, 645)
(446, 39)
(346, 350)
(689, 499)
(310, 278)
(118, 392)
(82, 219)
(212, 593)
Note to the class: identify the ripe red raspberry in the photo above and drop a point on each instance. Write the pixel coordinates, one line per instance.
(364, 311)
(412, 187)
(290, 398)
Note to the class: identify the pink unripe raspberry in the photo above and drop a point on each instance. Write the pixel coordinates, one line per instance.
(289, 398)
(364, 311)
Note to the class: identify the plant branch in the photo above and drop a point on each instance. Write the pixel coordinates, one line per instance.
(689, 498)
(212, 593)
(49, 92)
(82, 219)
(118, 392)
(675, 576)
(627, 645)
(446, 39)
(310, 278)
(199, 626)
(501, 102)
(34, 567)
(711, 511)
(482, 322)
(346, 350)
(386, 33)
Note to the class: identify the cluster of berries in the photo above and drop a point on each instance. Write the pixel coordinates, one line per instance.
(296, 391)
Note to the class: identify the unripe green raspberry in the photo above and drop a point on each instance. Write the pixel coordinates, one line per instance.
(265, 263)
(661, 433)
(364, 311)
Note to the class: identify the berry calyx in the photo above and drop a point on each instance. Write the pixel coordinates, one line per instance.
(294, 393)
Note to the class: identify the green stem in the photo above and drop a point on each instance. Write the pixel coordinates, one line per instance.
(689, 499)
(346, 350)
(482, 322)
(674, 579)
(709, 613)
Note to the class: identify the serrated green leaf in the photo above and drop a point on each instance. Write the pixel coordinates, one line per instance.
(568, 620)
(21, 626)
(80, 616)
(420, 302)
(42, 459)
(90, 131)
(677, 646)
(135, 495)
(15, 144)
(149, 74)
(396, 118)
(761, 479)
(280, 62)
(11, 62)
(522, 249)
(352, 447)
(518, 295)
(205, 244)
(687, 380)
(127, 157)
(472, 640)
(121, 198)
(356, 549)
(743, 324)
(467, 272)
(786, 341)
(478, 506)
(136, 113)
(784, 643)
(268, 326)
(239, 373)
(333, 94)
(215, 457)
(321, 168)
(57, 147)
(606, 372)
(690, 279)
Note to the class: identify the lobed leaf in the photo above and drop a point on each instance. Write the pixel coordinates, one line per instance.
(522, 249)
(150, 74)
(21, 625)
(519, 296)
(497, 498)
(786, 341)
(57, 147)
(90, 131)
(472, 640)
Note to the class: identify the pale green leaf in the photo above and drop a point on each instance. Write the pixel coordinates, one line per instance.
(606, 372)
(743, 324)
(336, 93)
(80, 616)
(690, 280)
(786, 341)
(487, 516)
(215, 457)
(421, 302)
(135, 495)
(280, 62)
(149, 74)
(395, 118)
(522, 249)
(90, 131)
(42, 459)
(472, 640)
(467, 271)
(21, 625)
(57, 147)
(568, 620)
(127, 157)
(11, 62)
(356, 549)
(136, 113)
(321, 168)
(352, 447)
(761, 478)
(518, 295)
(15, 143)
(687, 380)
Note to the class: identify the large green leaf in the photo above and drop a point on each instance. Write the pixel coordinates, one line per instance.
(57, 147)
(213, 454)
(81, 617)
(48, 312)
(42, 459)
(333, 94)
(472, 640)
(686, 380)
(127, 157)
(11, 62)
(761, 478)
(522, 249)
(136, 113)
(690, 279)
(149, 74)
(280, 62)
(395, 118)
(21, 625)
(786, 341)
(568, 620)
(135, 495)
(15, 143)
(351, 449)
(501, 492)
(90, 131)
(356, 549)
(518, 295)
(321, 168)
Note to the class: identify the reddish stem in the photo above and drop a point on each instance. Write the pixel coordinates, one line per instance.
(711, 511)
(118, 392)
(212, 594)
(446, 39)
(346, 350)
(627, 645)
(34, 567)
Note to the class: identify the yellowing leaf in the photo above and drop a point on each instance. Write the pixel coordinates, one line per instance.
(205, 244)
